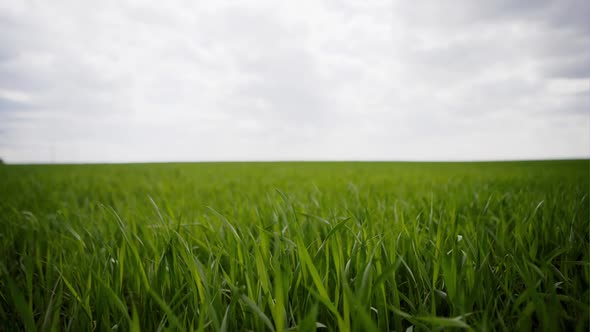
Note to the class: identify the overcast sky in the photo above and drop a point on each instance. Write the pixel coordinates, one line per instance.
(118, 81)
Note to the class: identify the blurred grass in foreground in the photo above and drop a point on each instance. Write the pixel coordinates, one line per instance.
(295, 246)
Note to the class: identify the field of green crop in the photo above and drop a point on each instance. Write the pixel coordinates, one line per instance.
(295, 246)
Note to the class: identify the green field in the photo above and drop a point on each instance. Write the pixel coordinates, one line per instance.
(295, 246)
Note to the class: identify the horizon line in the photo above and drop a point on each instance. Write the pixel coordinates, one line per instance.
(222, 161)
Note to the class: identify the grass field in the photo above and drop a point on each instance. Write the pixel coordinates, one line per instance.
(295, 246)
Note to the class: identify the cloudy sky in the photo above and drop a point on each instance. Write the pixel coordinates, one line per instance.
(118, 81)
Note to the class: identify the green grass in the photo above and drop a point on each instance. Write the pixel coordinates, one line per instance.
(295, 246)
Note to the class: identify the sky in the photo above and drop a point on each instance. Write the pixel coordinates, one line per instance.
(133, 81)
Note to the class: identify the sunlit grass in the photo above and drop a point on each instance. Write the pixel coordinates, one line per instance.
(295, 246)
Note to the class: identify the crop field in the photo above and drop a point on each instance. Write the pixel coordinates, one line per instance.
(347, 246)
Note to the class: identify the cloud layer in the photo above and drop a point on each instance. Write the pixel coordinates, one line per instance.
(309, 80)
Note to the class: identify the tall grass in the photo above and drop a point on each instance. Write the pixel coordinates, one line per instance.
(295, 246)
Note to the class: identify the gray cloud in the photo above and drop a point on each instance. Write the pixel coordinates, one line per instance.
(123, 81)
(572, 67)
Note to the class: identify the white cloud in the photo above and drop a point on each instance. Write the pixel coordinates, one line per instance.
(243, 80)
